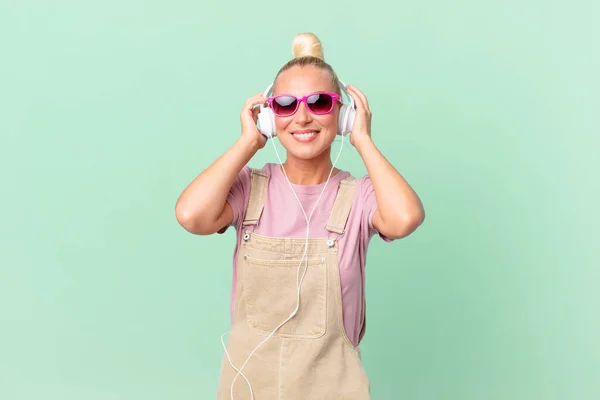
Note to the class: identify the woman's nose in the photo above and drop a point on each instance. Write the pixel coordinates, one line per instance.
(303, 114)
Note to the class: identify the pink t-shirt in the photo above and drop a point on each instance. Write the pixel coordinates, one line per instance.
(283, 217)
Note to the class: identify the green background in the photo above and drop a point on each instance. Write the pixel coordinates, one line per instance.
(110, 108)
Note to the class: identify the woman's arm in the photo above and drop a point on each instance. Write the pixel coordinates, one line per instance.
(202, 208)
(399, 209)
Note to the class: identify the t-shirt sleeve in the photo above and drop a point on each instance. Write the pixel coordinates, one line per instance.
(237, 198)
(369, 208)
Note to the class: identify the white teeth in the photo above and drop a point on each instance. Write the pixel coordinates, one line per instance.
(305, 135)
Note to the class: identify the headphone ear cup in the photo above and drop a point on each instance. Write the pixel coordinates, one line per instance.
(346, 119)
(351, 115)
(266, 121)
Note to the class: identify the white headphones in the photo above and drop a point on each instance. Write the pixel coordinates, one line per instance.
(266, 118)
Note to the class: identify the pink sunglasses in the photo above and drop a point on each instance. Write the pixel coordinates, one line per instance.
(319, 103)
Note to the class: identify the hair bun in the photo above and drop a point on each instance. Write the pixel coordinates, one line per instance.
(307, 44)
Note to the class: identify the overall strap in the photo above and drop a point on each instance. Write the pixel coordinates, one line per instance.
(342, 205)
(258, 189)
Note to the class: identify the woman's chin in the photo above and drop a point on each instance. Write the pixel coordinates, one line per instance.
(306, 153)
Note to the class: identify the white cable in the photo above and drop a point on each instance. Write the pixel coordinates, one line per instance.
(298, 284)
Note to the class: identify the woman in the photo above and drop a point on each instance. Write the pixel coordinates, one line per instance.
(303, 228)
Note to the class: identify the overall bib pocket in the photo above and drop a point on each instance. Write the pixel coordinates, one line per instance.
(271, 295)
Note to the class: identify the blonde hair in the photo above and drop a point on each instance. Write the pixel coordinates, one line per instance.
(307, 50)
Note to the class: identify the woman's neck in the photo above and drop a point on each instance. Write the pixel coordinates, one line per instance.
(308, 172)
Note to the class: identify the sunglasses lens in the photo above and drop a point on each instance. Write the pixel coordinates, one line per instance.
(284, 105)
(320, 103)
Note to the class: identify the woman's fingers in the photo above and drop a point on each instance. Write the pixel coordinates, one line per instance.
(363, 99)
(255, 112)
(249, 115)
(254, 101)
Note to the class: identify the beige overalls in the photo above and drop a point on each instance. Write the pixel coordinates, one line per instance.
(310, 357)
